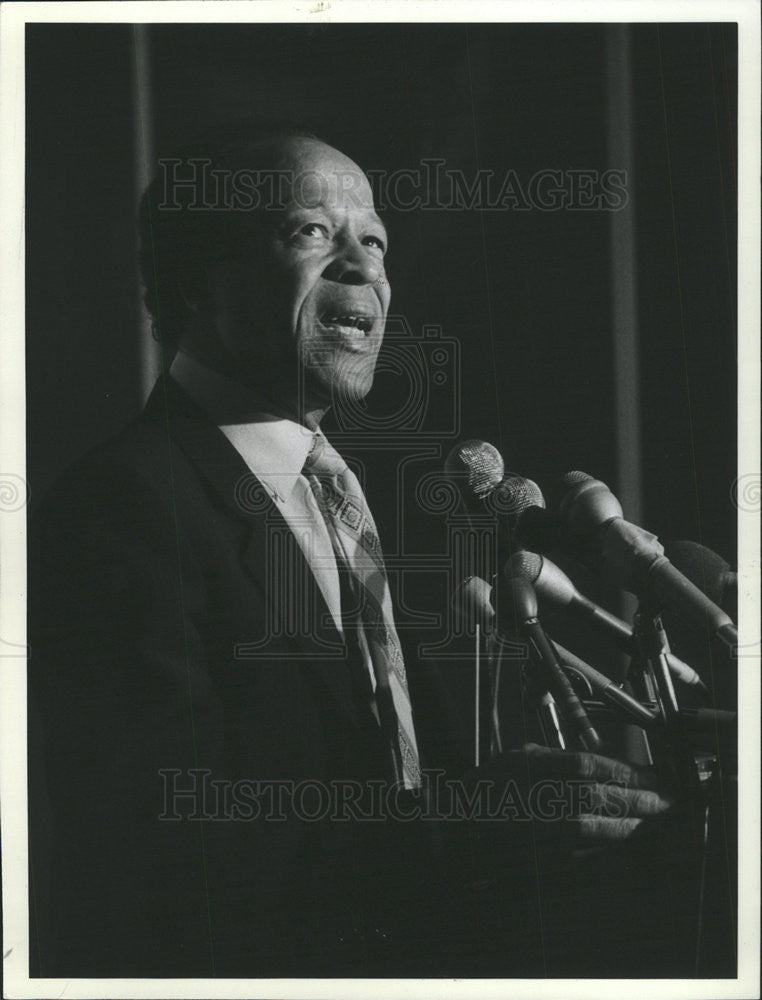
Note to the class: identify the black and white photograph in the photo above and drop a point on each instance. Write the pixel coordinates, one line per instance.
(379, 497)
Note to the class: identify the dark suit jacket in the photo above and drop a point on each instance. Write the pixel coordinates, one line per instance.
(178, 637)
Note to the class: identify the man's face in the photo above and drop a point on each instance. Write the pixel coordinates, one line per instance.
(306, 310)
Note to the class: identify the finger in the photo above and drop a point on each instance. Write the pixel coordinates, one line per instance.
(570, 764)
(647, 778)
(618, 802)
(609, 769)
(604, 828)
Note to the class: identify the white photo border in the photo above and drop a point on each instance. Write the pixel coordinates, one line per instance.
(13, 791)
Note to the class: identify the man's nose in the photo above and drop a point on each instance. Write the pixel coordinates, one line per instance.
(353, 266)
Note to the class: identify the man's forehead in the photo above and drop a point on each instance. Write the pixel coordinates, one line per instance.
(331, 185)
(317, 175)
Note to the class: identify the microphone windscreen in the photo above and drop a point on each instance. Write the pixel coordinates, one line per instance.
(706, 570)
(573, 477)
(525, 564)
(476, 466)
(515, 494)
(471, 602)
(582, 503)
(565, 484)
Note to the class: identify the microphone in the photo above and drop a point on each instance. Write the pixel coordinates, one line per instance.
(472, 599)
(472, 603)
(517, 605)
(533, 526)
(555, 588)
(486, 491)
(707, 570)
(634, 558)
(476, 467)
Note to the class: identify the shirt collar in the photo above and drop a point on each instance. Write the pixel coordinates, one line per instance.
(273, 446)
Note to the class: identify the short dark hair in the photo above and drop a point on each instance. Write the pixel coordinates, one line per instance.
(174, 236)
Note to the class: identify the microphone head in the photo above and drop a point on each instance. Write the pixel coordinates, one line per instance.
(532, 526)
(524, 564)
(522, 501)
(472, 604)
(515, 494)
(553, 587)
(706, 570)
(516, 603)
(573, 477)
(583, 503)
(476, 466)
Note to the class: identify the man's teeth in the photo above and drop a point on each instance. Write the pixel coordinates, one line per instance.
(361, 323)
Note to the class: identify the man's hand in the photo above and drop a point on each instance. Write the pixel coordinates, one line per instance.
(576, 798)
(616, 797)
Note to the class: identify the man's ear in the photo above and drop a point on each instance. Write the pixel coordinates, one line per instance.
(195, 286)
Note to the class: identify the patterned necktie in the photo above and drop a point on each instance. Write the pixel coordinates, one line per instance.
(356, 543)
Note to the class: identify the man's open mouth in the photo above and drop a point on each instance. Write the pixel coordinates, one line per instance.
(357, 324)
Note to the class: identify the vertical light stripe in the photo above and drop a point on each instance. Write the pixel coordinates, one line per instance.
(624, 285)
(149, 351)
(624, 325)
(477, 681)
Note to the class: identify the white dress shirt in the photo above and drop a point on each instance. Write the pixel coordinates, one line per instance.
(274, 448)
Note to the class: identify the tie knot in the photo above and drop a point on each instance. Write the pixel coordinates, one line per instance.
(323, 459)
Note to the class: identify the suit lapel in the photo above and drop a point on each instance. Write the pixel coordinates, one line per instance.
(297, 607)
(271, 556)
(207, 448)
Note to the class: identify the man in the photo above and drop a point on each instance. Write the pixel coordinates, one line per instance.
(190, 727)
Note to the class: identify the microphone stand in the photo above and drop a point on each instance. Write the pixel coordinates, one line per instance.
(654, 649)
(530, 691)
(544, 704)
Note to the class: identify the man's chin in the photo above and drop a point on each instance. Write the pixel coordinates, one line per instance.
(340, 396)
(346, 383)
(348, 392)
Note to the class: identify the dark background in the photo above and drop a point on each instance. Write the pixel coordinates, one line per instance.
(528, 295)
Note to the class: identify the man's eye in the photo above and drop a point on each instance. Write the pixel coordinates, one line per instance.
(313, 230)
(375, 241)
